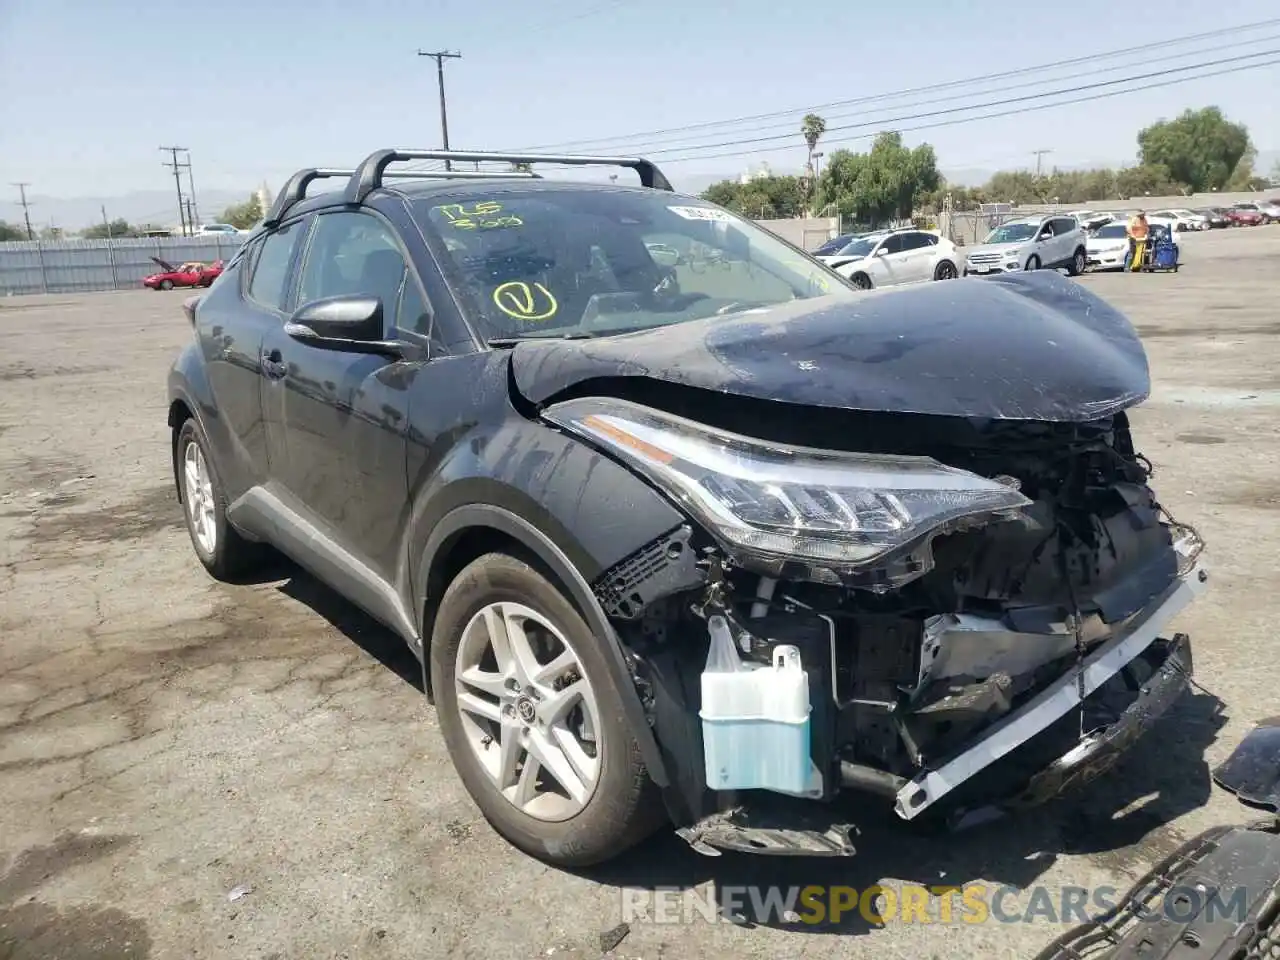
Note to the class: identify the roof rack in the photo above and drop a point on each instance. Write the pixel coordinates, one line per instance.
(296, 189)
(373, 168)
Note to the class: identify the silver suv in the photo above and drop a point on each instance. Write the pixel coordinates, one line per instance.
(1030, 243)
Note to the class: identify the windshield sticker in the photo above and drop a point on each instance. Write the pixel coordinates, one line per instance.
(479, 216)
(529, 302)
(702, 213)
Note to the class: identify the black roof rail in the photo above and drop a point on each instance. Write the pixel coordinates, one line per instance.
(296, 189)
(373, 168)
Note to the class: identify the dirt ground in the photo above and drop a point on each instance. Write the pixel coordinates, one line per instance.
(165, 740)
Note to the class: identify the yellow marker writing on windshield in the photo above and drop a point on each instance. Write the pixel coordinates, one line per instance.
(524, 301)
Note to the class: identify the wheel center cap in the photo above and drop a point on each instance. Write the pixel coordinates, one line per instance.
(525, 710)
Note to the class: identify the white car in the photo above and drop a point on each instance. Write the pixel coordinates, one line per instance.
(894, 257)
(1183, 220)
(1031, 243)
(1108, 245)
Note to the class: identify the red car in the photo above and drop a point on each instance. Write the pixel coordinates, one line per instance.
(190, 274)
(1241, 217)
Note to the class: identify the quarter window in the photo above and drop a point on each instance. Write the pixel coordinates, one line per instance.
(271, 267)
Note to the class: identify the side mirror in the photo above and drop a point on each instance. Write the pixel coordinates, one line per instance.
(346, 324)
(881, 252)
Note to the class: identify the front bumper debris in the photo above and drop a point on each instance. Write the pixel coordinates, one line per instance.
(1099, 751)
(1216, 897)
(775, 825)
(1056, 701)
(1252, 772)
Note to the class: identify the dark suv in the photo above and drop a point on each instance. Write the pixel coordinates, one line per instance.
(477, 406)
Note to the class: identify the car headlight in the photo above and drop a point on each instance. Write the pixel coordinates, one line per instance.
(781, 501)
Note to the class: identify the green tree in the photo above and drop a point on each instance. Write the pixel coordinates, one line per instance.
(1200, 149)
(10, 232)
(883, 184)
(242, 216)
(114, 230)
(775, 197)
(1147, 180)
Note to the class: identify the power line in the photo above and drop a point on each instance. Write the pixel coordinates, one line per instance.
(1025, 98)
(930, 88)
(963, 95)
(440, 57)
(177, 181)
(26, 208)
(1014, 112)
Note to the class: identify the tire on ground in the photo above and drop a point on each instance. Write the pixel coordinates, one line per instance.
(232, 556)
(625, 806)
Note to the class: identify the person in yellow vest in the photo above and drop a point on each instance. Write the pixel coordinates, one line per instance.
(1137, 232)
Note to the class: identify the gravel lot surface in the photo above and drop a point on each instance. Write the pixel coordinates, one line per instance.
(165, 740)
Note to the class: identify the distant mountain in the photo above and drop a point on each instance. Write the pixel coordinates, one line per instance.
(158, 207)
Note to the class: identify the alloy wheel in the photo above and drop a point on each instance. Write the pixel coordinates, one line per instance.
(197, 489)
(861, 282)
(528, 711)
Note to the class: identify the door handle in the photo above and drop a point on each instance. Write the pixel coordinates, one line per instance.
(273, 364)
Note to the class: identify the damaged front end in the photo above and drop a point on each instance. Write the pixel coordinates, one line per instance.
(979, 607)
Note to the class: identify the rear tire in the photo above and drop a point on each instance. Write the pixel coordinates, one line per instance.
(1078, 262)
(946, 270)
(861, 281)
(222, 551)
(611, 803)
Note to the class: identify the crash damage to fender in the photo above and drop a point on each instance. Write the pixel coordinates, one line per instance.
(930, 500)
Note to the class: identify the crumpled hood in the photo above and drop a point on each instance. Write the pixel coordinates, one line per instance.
(1002, 248)
(1032, 346)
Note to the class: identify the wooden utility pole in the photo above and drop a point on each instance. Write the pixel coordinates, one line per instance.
(26, 208)
(1038, 155)
(176, 166)
(440, 57)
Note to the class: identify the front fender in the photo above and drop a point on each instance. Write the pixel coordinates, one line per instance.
(574, 509)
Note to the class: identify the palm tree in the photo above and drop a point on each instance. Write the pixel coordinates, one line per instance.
(812, 127)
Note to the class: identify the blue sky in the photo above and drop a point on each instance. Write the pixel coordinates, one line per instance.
(90, 88)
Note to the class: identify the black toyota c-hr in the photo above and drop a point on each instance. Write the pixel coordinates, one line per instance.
(481, 408)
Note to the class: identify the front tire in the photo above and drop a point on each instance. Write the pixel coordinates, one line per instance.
(1033, 263)
(531, 719)
(166, 284)
(222, 551)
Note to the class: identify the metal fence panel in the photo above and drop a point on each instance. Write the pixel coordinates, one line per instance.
(82, 266)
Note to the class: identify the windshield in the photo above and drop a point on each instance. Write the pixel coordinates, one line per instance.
(832, 245)
(1111, 231)
(860, 247)
(553, 262)
(1012, 233)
